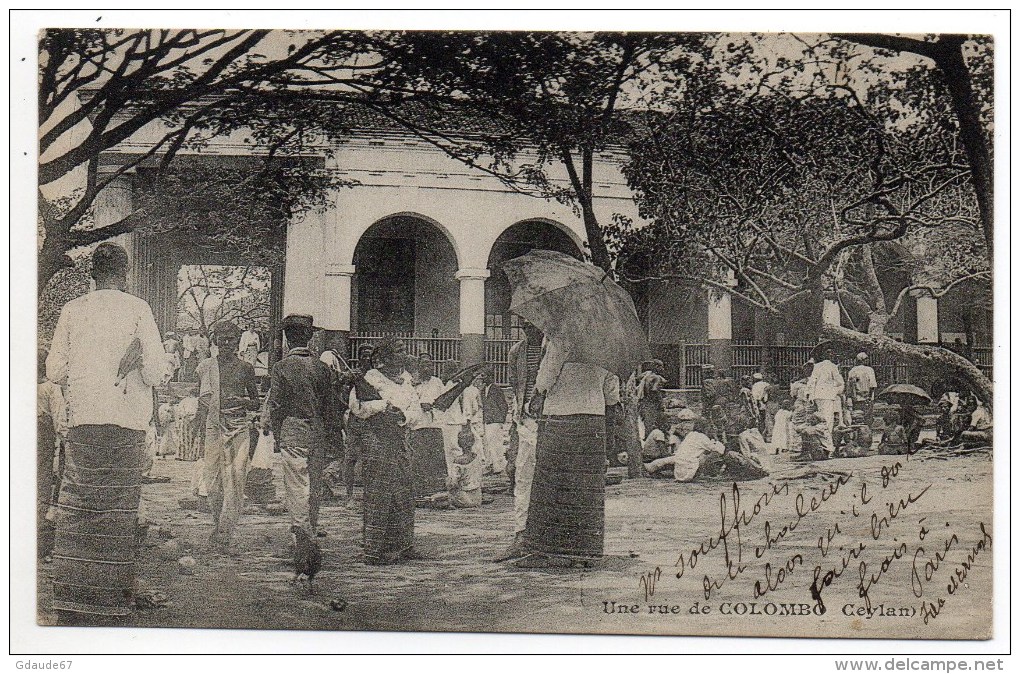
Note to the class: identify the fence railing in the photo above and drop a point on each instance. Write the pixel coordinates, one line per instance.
(443, 349)
(497, 353)
(785, 363)
(684, 362)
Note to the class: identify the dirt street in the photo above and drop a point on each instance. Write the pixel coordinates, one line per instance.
(878, 542)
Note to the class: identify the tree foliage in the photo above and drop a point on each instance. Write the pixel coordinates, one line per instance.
(208, 294)
(788, 174)
(99, 88)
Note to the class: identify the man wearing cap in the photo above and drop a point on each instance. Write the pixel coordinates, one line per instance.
(861, 385)
(227, 391)
(300, 399)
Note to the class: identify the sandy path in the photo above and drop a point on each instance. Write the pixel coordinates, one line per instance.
(650, 524)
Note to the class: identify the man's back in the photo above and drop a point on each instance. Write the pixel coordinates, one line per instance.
(92, 336)
(861, 380)
(301, 387)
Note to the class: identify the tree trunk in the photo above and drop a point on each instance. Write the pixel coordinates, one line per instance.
(927, 356)
(52, 258)
(958, 80)
(877, 322)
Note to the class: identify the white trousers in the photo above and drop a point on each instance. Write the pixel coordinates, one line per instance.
(495, 447)
(524, 470)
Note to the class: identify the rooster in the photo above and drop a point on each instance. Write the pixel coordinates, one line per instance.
(307, 557)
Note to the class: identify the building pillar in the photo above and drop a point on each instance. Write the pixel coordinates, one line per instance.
(472, 315)
(830, 312)
(114, 203)
(335, 313)
(720, 329)
(927, 319)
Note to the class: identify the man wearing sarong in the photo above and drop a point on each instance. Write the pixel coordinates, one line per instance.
(566, 515)
(227, 392)
(692, 450)
(649, 395)
(51, 422)
(107, 351)
(427, 442)
(389, 408)
(300, 399)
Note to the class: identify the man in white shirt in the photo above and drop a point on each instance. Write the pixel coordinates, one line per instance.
(570, 460)
(108, 353)
(825, 386)
(861, 385)
(760, 399)
(249, 346)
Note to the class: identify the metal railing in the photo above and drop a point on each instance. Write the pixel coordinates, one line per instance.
(443, 349)
(497, 353)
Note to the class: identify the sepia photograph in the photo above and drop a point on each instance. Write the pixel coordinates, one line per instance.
(673, 333)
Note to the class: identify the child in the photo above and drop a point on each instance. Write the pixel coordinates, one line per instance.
(51, 421)
(464, 483)
(894, 439)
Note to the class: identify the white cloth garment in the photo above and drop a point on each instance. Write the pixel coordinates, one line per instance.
(524, 470)
(92, 335)
(781, 431)
(687, 457)
(825, 383)
(861, 380)
(495, 447)
(574, 388)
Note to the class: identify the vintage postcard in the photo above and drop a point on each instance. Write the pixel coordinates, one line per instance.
(658, 333)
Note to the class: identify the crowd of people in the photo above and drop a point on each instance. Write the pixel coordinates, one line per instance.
(823, 415)
(420, 439)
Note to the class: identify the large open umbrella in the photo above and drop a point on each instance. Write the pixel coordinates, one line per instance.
(904, 394)
(581, 306)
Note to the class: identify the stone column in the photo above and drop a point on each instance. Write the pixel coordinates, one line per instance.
(335, 308)
(830, 312)
(720, 329)
(114, 203)
(927, 319)
(472, 315)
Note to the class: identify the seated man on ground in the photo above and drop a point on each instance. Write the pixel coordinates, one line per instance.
(979, 432)
(694, 449)
(852, 441)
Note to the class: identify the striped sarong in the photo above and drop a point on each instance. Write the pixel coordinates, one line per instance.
(389, 500)
(97, 513)
(566, 515)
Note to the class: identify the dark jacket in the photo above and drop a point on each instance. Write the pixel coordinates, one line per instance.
(494, 405)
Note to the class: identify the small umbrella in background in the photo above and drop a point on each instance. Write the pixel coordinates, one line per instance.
(904, 394)
(129, 362)
(580, 305)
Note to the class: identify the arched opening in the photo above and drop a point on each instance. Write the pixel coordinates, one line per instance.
(404, 280)
(515, 241)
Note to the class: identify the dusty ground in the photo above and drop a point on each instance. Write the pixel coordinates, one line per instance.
(652, 527)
